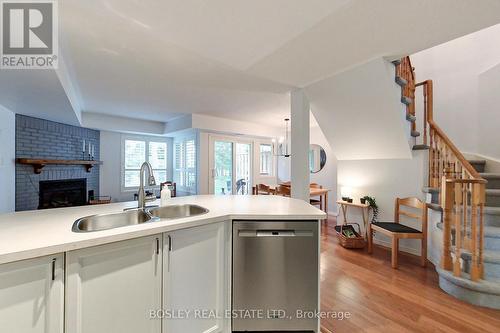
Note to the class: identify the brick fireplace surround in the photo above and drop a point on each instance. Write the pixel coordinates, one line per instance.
(39, 138)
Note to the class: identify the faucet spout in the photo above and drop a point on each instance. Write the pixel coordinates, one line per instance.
(142, 198)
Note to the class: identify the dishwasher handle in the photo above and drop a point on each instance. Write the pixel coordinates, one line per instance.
(275, 233)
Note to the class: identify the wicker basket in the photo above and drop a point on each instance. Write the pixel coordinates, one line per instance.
(357, 242)
(100, 200)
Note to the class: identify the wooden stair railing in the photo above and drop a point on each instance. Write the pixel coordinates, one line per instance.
(462, 187)
(405, 71)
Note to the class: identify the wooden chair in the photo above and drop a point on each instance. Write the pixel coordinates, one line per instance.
(316, 201)
(398, 231)
(262, 189)
(283, 190)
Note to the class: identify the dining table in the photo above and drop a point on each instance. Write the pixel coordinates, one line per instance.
(322, 193)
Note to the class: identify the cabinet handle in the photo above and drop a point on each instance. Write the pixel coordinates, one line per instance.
(169, 251)
(53, 269)
(157, 246)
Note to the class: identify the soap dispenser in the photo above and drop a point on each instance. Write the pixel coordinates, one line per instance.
(165, 196)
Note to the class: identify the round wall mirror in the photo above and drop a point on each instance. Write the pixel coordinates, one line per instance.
(317, 158)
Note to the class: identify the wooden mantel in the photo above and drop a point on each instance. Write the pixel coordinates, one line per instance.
(38, 164)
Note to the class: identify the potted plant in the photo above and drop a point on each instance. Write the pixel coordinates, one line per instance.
(373, 204)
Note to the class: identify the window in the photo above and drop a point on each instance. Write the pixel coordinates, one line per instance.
(266, 160)
(135, 152)
(185, 165)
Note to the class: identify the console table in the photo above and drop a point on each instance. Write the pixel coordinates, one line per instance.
(365, 211)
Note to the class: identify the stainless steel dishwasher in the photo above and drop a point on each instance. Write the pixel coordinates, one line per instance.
(275, 276)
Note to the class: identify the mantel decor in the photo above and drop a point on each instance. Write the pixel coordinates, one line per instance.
(38, 164)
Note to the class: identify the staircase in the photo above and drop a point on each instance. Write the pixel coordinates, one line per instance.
(485, 292)
(467, 198)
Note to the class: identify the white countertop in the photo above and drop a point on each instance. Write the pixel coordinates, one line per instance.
(30, 234)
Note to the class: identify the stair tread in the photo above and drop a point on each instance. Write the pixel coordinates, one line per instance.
(406, 100)
(400, 81)
(493, 192)
(490, 286)
(491, 256)
(428, 189)
(421, 147)
(435, 206)
(490, 175)
(410, 117)
(492, 210)
(477, 161)
(492, 231)
(489, 231)
(488, 210)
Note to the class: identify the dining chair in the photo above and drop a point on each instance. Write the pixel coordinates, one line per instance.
(398, 231)
(283, 190)
(316, 201)
(263, 189)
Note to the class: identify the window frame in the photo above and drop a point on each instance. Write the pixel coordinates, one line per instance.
(147, 140)
(271, 159)
(184, 170)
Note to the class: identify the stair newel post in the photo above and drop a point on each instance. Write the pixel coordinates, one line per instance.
(447, 198)
(459, 206)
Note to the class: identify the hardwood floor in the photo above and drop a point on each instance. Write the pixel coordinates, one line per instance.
(381, 299)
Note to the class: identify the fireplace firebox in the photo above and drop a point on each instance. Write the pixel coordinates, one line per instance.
(62, 193)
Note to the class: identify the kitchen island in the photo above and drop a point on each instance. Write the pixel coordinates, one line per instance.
(163, 276)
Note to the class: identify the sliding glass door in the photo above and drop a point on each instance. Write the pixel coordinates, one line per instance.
(223, 169)
(231, 162)
(243, 166)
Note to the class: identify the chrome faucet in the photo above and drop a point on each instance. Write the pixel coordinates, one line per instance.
(143, 198)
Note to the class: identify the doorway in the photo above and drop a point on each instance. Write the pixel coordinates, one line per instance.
(231, 166)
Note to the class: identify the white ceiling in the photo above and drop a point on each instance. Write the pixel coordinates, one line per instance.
(156, 60)
(36, 93)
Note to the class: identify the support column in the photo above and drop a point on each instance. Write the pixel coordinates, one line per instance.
(300, 145)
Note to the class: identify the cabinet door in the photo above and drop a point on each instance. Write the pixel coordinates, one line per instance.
(32, 295)
(197, 270)
(112, 288)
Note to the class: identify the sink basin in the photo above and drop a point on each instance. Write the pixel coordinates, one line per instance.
(177, 211)
(111, 221)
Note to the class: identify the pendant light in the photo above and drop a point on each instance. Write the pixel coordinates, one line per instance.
(283, 149)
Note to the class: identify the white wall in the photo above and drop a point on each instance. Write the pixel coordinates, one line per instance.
(457, 68)
(360, 112)
(488, 143)
(110, 170)
(385, 180)
(7, 160)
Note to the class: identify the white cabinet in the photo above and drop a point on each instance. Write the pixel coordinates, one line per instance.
(32, 295)
(112, 288)
(197, 279)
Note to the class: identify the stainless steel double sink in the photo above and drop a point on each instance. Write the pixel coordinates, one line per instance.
(136, 216)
